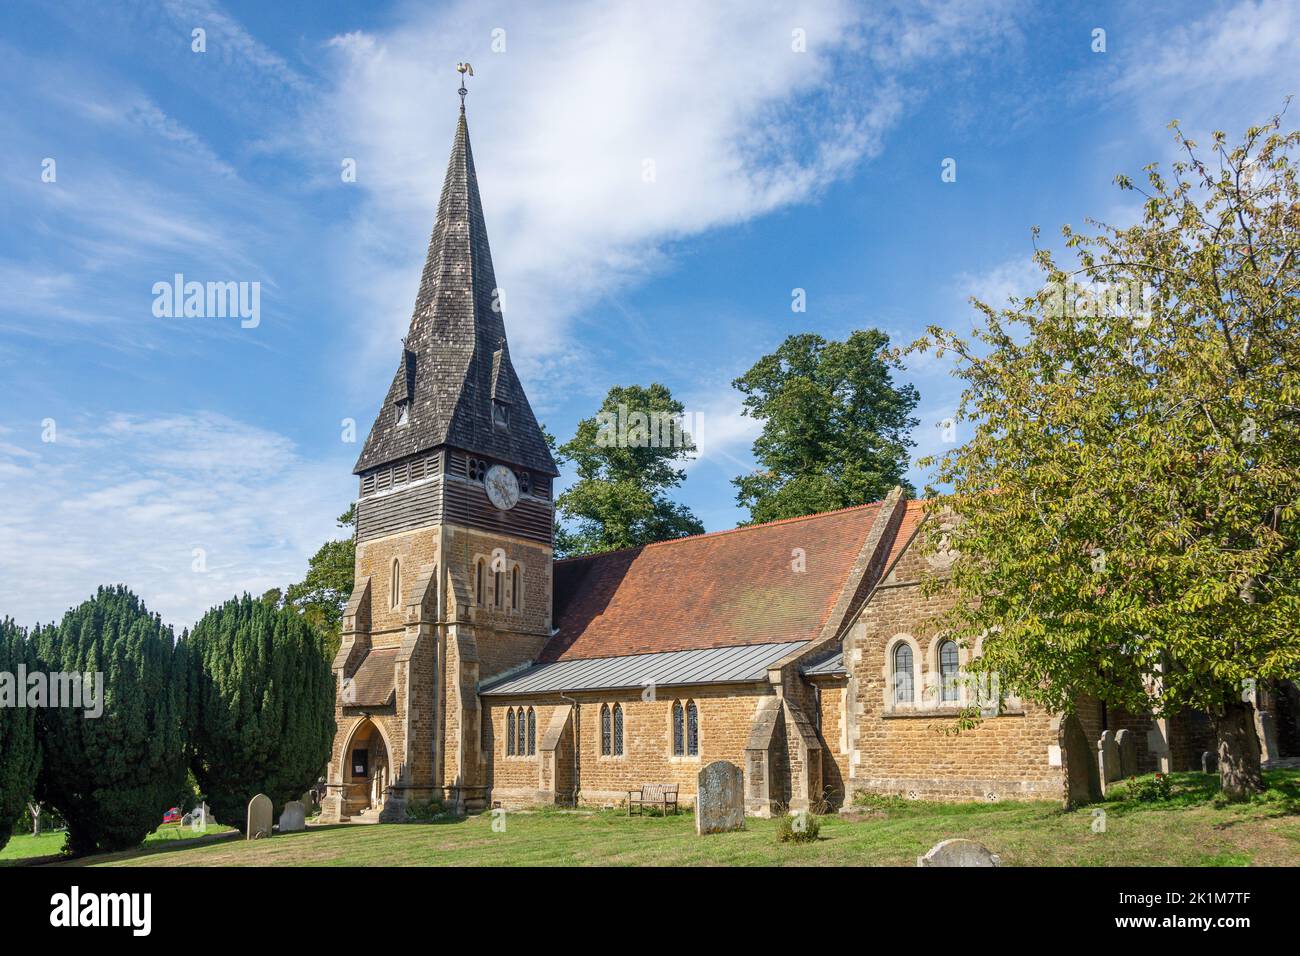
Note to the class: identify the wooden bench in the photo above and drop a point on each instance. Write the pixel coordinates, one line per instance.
(653, 795)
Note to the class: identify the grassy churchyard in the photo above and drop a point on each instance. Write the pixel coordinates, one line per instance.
(50, 843)
(1189, 828)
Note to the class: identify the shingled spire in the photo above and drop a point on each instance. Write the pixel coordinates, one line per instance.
(455, 357)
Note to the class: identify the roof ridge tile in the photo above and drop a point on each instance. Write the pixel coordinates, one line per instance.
(722, 531)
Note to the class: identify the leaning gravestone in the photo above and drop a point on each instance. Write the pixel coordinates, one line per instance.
(294, 817)
(1209, 762)
(1083, 782)
(308, 801)
(720, 798)
(1107, 758)
(259, 817)
(958, 853)
(1128, 755)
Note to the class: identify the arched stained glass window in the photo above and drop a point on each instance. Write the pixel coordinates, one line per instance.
(478, 583)
(618, 730)
(532, 732)
(948, 664)
(605, 731)
(679, 730)
(514, 588)
(510, 732)
(904, 680)
(521, 741)
(692, 730)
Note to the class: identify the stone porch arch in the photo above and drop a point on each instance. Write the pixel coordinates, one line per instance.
(360, 794)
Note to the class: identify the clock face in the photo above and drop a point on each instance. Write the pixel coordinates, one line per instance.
(502, 487)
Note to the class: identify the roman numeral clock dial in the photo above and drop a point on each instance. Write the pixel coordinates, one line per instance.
(502, 487)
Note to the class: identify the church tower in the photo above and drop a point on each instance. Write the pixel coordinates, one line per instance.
(453, 533)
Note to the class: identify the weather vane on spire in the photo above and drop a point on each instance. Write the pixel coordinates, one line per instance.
(464, 69)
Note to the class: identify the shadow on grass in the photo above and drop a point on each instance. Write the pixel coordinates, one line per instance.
(32, 860)
(151, 848)
(1192, 789)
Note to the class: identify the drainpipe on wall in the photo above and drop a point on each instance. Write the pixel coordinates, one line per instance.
(577, 746)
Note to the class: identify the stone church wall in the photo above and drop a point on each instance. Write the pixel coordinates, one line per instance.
(726, 716)
(911, 750)
(415, 550)
(829, 705)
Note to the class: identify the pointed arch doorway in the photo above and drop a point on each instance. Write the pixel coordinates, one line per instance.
(366, 775)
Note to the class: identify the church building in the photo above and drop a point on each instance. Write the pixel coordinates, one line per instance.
(477, 670)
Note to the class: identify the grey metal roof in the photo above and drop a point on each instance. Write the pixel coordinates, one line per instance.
(457, 358)
(714, 665)
(832, 665)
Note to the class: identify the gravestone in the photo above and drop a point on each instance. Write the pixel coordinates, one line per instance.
(259, 817)
(1083, 782)
(1266, 731)
(308, 801)
(1158, 745)
(1107, 758)
(720, 798)
(1209, 762)
(959, 853)
(294, 817)
(1128, 754)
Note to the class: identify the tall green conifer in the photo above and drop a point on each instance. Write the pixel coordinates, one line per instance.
(261, 705)
(113, 776)
(19, 752)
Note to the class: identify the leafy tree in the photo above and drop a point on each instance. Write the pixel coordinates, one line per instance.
(834, 426)
(19, 749)
(323, 594)
(1126, 509)
(261, 705)
(626, 458)
(112, 776)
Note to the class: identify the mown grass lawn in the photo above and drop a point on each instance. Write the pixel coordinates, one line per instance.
(25, 846)
(1189, 829)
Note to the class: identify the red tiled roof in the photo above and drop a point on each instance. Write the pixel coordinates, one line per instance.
(912, 519)
(721, 589)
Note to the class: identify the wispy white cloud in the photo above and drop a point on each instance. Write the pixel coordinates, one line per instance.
(1015, 278)
(723, 433)
(1220, 55)
(1228, 68)
(245, 60)
(185, 509)
(604, 133)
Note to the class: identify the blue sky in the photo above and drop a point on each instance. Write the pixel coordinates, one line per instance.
(192, 458)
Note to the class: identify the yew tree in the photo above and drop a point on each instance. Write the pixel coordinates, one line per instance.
(1126, 510)
(261, 705)
(112, 770)
(19, 748)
